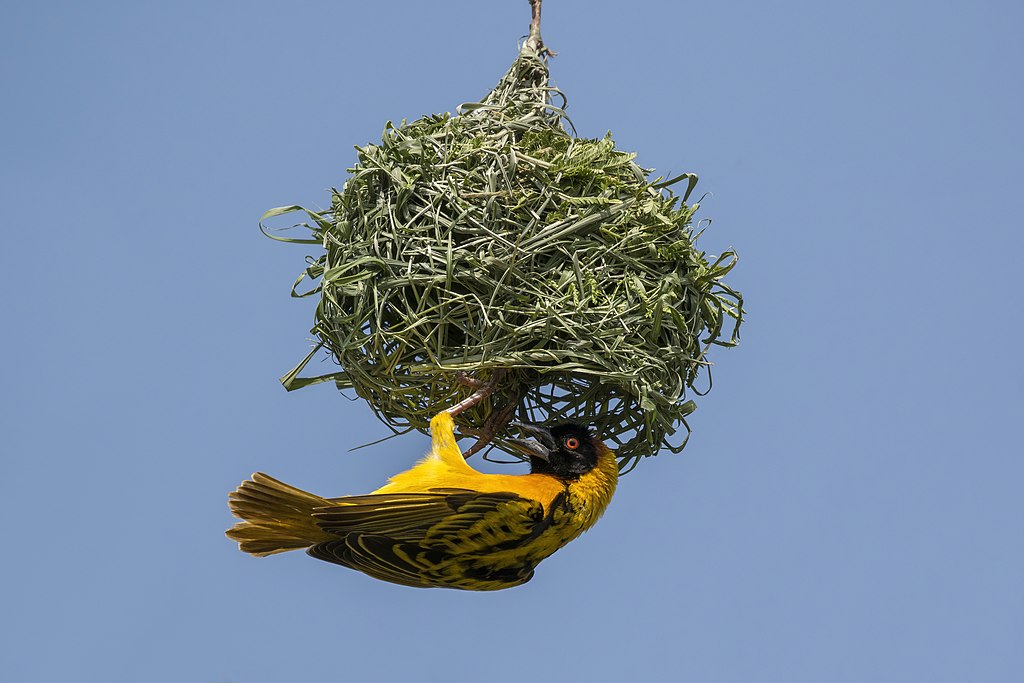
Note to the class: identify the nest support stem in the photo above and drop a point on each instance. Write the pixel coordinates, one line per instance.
(534, 41)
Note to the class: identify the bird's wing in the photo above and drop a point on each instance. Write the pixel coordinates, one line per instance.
(431, 539)
(419, 516)
(383, 558)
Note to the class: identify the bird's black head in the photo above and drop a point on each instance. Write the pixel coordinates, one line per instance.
(565, 450)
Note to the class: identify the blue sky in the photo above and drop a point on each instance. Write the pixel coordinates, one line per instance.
(848, 508)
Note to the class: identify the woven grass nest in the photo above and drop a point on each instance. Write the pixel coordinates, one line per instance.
(494, 244)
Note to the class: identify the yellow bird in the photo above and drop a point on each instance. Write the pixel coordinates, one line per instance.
(442, 523)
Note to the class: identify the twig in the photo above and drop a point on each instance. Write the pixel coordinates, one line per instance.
(534, 42)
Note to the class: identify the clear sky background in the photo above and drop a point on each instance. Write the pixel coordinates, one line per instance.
(848, 509)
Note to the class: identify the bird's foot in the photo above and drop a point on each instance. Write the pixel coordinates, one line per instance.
(483, 390)
(467, 381)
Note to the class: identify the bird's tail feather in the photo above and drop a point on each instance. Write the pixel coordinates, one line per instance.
(275, 516)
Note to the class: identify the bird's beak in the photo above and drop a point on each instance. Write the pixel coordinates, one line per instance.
(540, 446)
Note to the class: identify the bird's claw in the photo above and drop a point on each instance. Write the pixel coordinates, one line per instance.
(467, 381)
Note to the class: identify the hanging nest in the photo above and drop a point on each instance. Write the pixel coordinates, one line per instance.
(494, 244)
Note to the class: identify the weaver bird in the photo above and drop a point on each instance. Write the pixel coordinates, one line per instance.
(442, 523)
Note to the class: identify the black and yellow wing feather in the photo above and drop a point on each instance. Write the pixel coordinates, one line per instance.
(446, 537)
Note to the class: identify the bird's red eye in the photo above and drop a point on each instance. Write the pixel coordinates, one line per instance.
(572, 443)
